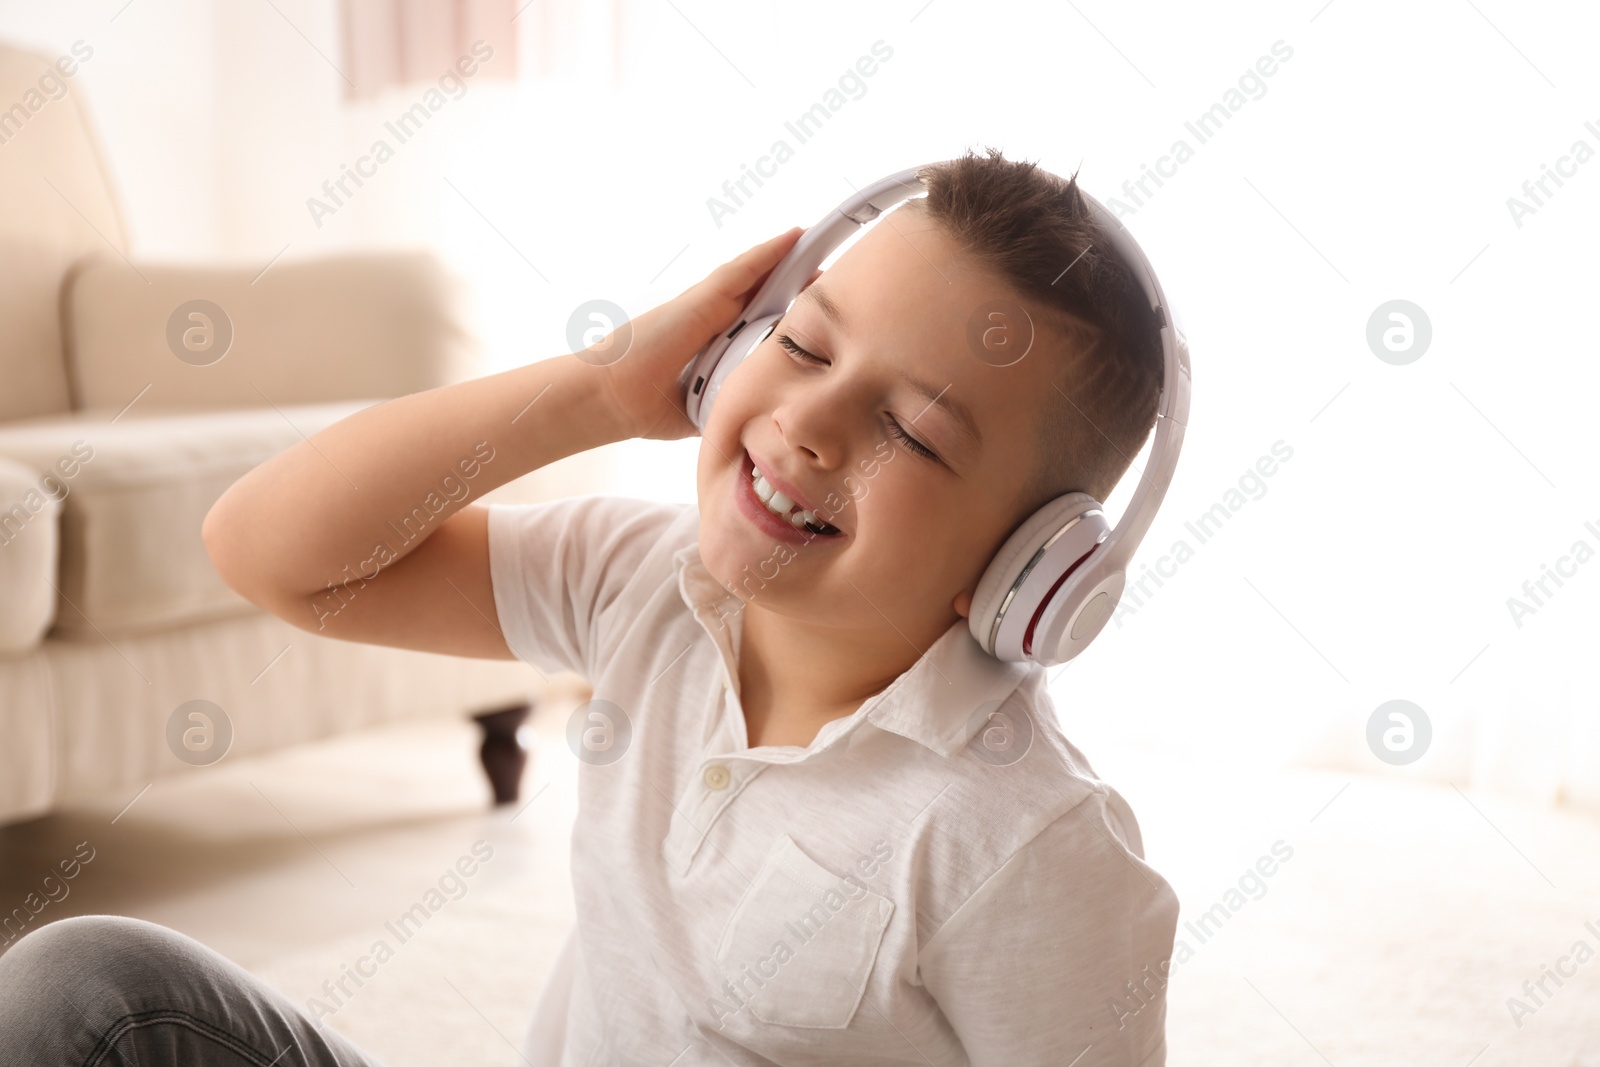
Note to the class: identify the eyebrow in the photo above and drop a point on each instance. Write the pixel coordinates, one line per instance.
(959, 413)
(824, 304)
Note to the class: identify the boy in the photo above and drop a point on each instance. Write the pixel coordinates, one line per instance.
(817, 824)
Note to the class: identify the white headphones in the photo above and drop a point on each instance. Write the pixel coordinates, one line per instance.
(1055, 582)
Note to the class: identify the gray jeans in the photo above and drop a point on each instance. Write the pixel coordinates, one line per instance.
(107, 990)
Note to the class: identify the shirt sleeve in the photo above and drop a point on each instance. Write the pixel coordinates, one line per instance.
(1064, 951)
(559, 567)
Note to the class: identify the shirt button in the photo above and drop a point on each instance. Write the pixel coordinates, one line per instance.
(717, 776)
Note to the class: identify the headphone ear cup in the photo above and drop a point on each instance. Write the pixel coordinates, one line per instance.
(1006, 567)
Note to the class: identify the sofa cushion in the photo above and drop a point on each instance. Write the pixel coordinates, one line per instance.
(28, 551)
(58, 205)
(295, 332)
(139, 487)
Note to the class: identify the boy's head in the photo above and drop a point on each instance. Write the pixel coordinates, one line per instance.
(996, 297)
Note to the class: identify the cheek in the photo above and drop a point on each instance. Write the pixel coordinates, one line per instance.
(748, 378)
(929, 519)
(901, 508)
(739, 400)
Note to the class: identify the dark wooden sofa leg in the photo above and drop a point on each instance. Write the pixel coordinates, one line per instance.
(502, 754)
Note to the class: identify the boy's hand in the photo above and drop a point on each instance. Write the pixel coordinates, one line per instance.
(644, 380)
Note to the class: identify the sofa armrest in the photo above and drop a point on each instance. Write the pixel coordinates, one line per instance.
(312, 331)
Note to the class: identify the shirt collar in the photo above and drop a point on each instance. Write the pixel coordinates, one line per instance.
(939, 702)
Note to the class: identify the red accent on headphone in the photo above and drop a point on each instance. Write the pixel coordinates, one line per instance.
(1027, 636)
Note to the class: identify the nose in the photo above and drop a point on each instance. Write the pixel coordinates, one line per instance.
(813, 421)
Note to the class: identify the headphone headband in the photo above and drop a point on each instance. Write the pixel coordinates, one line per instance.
(1052, 606)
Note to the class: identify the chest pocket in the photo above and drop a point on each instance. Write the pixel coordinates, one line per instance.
(800, 945)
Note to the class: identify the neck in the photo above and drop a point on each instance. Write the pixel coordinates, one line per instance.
(796, 676)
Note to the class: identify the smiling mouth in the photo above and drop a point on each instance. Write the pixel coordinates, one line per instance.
(784, 508)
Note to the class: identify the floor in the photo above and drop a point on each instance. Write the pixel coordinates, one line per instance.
(1394, 932)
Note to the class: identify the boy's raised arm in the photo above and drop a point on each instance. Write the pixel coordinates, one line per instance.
(324, 534)
(367, 530)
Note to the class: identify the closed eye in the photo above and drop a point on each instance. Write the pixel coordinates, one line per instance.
(788, 342)
(895, 429)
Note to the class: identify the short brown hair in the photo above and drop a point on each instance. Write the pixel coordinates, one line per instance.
(1027, 225)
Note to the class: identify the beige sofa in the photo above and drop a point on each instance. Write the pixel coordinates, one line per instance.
(126, 408)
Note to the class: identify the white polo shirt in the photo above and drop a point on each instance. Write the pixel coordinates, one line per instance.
(907, 889)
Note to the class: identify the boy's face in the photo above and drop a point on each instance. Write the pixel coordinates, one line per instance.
(916, 531)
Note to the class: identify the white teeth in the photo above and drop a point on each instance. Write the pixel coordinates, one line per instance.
(770, 496)
(779, 504)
